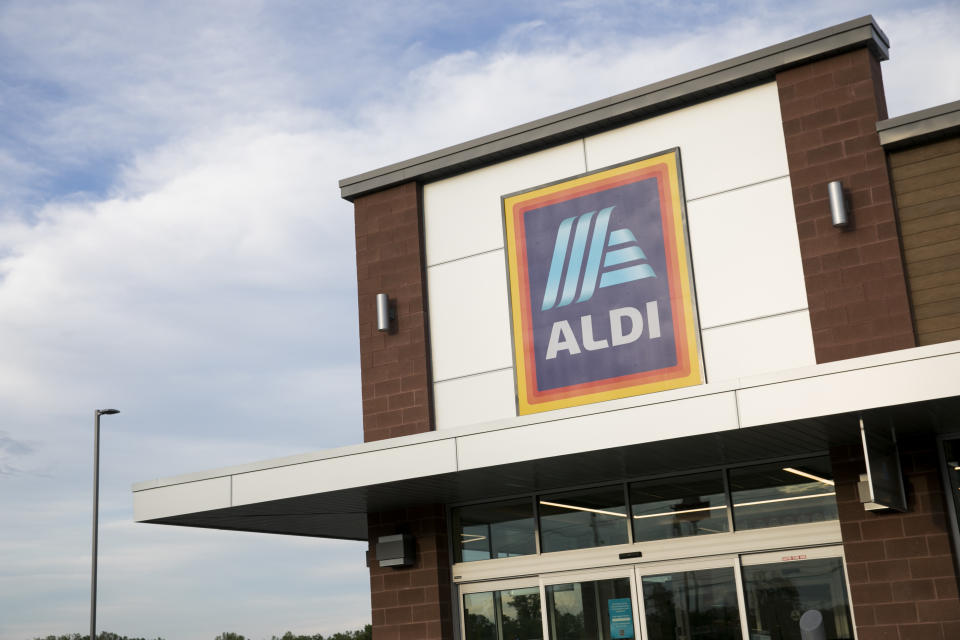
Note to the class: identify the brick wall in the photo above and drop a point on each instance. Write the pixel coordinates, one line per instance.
(903, 584)
(412, 603)
(856, 289)
(395, 366)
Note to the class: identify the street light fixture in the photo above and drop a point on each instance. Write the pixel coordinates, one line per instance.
(96, 507)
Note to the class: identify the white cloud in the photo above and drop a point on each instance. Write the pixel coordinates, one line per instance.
(924, 57)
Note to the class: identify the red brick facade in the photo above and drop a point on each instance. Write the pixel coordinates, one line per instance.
(900, 565)
(395, 366)
(856, 288)
(412, 603)
(407, 603)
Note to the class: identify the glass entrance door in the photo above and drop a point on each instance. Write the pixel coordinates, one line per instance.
(691, 600)
(781, 587)
(590, 607)
(759, 596)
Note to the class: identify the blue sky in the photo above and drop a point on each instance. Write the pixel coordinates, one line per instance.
(172, 243)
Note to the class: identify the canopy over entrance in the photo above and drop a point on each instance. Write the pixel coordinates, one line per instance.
(328, 494)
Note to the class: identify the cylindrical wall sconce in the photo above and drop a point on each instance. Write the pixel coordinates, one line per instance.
(838, 208)
(383, 312)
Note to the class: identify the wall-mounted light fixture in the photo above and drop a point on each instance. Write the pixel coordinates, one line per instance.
(396, 551)
(838, 208)
(385, 314)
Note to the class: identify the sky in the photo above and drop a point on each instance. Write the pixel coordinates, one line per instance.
(173, 244)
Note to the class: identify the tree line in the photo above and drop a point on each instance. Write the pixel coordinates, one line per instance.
(360, 634)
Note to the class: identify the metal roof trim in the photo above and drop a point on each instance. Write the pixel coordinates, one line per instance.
(688, 88)
(920, 126)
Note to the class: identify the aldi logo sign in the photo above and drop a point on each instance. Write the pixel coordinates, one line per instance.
(600, 286)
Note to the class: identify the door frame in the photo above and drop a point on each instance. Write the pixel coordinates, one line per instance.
(591, 575)
(731, 561)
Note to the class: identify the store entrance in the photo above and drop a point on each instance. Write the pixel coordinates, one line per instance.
(757, 596)
(691, 600)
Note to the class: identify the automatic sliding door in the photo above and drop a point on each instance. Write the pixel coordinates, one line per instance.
(760, 596)
(779, 593)
(692, 605)
(590, 610)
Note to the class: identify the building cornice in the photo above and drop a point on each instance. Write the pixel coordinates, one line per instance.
(666, 95)
(920, 126)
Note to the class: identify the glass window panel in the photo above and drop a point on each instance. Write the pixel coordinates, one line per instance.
(772, 495)
(597, 610)
(520, 612)
(582, 519)
(679, 506)
(511, 614)
(692, 605)
(494, 530)
(778, 594)
(479, 616)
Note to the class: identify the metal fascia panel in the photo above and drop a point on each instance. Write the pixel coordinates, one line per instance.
(659, 97)
(920, 126)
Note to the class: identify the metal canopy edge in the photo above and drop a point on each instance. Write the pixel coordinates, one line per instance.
(702, 84)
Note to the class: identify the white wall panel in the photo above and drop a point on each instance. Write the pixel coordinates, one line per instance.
(746, 254)
(188, 497)
(331, 474)
(702, 414)
(758, 346)
(474, 399)
(743, 238)
(469, 316)
(462, 214)
(724, 143)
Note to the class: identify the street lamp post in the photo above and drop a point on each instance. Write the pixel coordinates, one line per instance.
(96, 507)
